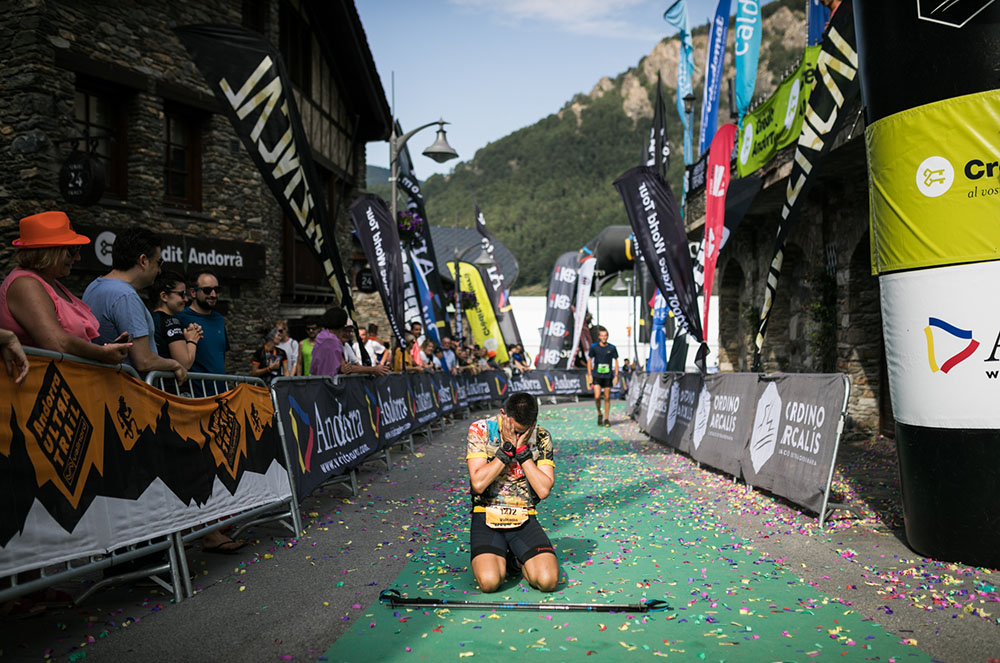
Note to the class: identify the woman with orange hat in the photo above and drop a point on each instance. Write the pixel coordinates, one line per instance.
(39, 309)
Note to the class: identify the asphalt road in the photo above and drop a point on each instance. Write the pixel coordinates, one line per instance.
(289, 599)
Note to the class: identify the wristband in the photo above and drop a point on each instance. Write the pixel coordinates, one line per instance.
(191, 342)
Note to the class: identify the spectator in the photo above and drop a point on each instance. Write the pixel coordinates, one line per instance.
(351, 355)
(448, 354)
(491, 359)
(13, 356)
(173, 341)
(212, 349)
(115, 301)
(519, 359)
(306, 346)
(438, 360)
(352, 361)
(417, 329)
(289, 345)
(328, 352)
(36, 307)
(427, 354)
(626, 367)
(269, 361)
(402, 358)
(376, 351)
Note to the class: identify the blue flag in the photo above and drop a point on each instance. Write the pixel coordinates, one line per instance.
(713, 76)
(658, 343)
(818, 16)
(746, 46)
(677, 17)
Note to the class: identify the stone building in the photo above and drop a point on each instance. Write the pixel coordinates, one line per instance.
(110, 76)
(826, 315)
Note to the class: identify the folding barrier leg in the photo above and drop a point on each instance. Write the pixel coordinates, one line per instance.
(175, 569)
(185, 573)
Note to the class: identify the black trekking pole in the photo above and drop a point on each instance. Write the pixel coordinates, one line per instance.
(392, 597)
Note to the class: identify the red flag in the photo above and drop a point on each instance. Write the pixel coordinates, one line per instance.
(716, 184)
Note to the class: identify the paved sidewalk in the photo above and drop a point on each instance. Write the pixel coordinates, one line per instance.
(286, 599)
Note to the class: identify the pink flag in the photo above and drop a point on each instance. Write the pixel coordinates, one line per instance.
(716, 184)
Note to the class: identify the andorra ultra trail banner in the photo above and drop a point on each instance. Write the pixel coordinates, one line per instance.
(498, 286)
(677, 17)
(714, 61)
(379, 237)
(715, 207)
(934, 201)
(248, 77)
(722, 420)
(794, 437)
(746, 51)
(92, 460)
(481, 318)
(329, 429)
(422, 255)
(558, 313)
(777, 123)
(836, 85)
(655, 218)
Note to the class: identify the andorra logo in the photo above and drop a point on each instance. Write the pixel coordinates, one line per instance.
(957, 358)
(935, 176)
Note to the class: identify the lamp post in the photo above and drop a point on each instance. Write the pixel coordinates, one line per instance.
(689, 133)
(482, 260)
(439, 150)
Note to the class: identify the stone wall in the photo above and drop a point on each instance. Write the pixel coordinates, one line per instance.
(46, 44)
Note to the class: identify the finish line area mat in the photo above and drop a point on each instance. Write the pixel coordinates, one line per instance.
(623, 533)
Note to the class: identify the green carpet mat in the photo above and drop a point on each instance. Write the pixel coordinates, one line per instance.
(623, 533)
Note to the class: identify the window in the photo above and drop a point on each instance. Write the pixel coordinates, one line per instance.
(295, 44)
(182, 166)
(256, 15)
(101, 122)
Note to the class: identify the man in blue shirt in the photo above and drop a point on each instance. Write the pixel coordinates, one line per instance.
(212, 348)
(120, 311)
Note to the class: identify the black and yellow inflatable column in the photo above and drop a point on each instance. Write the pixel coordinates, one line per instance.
(930, 82)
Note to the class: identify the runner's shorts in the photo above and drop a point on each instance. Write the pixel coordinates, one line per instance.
(603, 382)
(525, 541)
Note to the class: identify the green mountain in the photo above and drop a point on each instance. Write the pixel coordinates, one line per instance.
(547, 188)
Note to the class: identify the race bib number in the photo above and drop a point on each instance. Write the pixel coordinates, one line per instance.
(604, 369)
(505, 517)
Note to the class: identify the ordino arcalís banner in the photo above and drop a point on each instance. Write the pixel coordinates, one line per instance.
(794, 437)
(92, 460)
(777, 122)
(722, 420)
(934, 189)
(681, 409)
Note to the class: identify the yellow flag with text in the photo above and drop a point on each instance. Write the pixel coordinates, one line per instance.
(482, 320)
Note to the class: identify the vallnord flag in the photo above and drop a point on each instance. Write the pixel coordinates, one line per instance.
(715, 205)
(248, 77)
(379, 236)
(837, 83)
(656, 221)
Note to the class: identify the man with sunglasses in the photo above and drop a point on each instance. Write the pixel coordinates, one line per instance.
(214, 344)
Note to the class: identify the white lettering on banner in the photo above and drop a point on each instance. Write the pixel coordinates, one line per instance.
(803, 421)
(560, 302)
(660, 245)
(338, 430)
(393, 410)
(478, 388)
(212, 258)
(718, 188)
(424, 400)
(557, 329)
(344, 459)
(560, 383)
(745, 25)
(526, 384)
(444, 394)
(551, 356)
(566, 275)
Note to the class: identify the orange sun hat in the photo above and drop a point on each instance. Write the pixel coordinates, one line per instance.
(46, 230)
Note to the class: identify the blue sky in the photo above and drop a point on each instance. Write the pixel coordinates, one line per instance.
(491, 67)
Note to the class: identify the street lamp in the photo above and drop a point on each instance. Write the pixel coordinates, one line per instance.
(439, 150)
(482, 260)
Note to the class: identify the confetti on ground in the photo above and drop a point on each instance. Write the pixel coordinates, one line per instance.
(624, 531)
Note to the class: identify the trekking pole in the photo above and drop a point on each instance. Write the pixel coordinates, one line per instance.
(392, 597)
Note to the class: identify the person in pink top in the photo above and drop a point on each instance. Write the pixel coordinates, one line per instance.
(39, 309)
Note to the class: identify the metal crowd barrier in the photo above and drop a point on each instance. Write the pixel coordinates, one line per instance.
(75, 568)
(210, 385)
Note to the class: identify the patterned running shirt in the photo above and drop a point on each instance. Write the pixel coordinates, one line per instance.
(511, 488)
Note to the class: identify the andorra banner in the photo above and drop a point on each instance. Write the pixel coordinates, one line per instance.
(934, 200)
(777, 123)
(92, 460)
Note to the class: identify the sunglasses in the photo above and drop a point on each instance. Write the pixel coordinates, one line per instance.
(179, 293)
(209, 290)
(72, 251)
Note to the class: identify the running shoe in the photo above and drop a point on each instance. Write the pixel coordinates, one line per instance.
(607, 423)
(600, 419)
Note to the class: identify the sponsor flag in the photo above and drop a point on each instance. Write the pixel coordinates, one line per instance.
(585, 279)
(658, 151)
(677, 17)
(714, 61)
(411, 302)
(379, 237)
(659, 231)
(746, 49)
(482, 320)
(426, 305)
(740, 194)
(837, 85)
(248, 77)
(498, 287)
(777, 123)
(557, 312)
(423, 256)
(715, 206)
(818, 16)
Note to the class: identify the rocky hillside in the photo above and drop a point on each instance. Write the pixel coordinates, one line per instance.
(547, 188)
